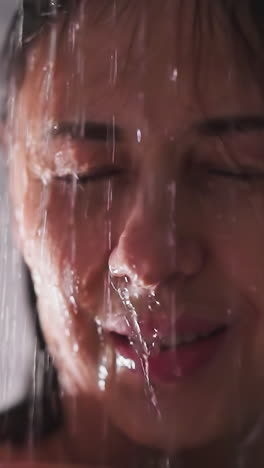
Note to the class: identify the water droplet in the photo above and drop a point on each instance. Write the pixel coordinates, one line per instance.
(174, 74)
(122, 362)
(75, 348)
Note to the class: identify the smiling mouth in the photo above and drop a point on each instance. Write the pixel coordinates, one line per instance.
(186, 340)
(172, 359)
(174, 342)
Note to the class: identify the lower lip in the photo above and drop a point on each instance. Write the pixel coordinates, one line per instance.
(170, 365)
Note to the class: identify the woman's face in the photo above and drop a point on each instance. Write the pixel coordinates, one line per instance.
(138, 182)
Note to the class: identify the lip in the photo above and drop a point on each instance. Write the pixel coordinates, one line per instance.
(163, 327)
(174, 363)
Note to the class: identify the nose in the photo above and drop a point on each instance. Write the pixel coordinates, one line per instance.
(157, 244)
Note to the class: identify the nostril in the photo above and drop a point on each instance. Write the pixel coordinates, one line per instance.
(120, 283)
(117, 264)
(122, 269)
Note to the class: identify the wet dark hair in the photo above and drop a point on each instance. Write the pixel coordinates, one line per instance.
(26, 25)
(33, 15)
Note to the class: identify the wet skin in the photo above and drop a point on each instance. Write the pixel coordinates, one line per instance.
(154, 196)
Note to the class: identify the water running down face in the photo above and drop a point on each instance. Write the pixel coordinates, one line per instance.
(138, 182)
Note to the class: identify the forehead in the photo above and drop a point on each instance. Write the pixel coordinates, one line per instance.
(146, 63)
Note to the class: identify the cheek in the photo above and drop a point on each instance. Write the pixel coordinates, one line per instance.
(233, 222)
(67, 243)
(233, 231)
(235, 236)
(69, 233)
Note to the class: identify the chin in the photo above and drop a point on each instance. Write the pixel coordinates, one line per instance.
(166, 437)
(173, 430)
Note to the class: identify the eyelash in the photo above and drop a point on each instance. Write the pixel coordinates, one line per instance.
(242, 176)
(90, 177)
(111, 172)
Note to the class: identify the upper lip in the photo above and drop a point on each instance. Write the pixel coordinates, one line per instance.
(163, 328)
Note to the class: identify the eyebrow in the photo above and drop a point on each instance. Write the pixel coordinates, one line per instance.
(220, 126)
(88, 130)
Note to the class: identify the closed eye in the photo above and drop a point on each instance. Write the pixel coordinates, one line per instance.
(242, 175)
(93, 175)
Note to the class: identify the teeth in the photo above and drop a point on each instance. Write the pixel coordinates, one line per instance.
(178, 340)
(184, 339)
